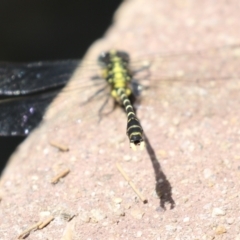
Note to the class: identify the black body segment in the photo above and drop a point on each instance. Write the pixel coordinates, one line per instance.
(117, 74)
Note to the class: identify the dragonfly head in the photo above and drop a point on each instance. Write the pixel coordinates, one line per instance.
(106, 58)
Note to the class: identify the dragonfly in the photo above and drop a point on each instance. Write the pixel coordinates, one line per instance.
(26, 89)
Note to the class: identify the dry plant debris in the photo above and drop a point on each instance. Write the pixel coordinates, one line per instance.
(143, 199)
(60, 175)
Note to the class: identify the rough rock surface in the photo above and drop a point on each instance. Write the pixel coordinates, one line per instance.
(189, 171)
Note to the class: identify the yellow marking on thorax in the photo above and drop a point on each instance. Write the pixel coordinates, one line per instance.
(119, 80)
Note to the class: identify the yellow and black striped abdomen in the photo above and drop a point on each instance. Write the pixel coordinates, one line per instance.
(116, 73)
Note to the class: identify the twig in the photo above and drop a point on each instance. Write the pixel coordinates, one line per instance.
(60, 175)
(46, 222)
(28, 230)
(143, 199)
(60, 146)
(69, 231)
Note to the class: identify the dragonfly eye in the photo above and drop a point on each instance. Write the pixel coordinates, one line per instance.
(104, 59)
(124, 56)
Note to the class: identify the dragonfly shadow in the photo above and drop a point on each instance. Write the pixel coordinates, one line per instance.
(163, 187)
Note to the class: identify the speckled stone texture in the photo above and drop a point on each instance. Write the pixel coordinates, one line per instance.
(189, 171)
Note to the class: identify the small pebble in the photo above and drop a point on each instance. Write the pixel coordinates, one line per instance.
(46, 151)
(218, 212)
(34, 177)
(119, 213)
(127, 158)
(207, 173)
(136, 159)
(139, 234)
(186, 219)
(44, 214)
(176, 121)
(162, 153)
(97, 215)
(220, 230)
(127, 206)
(230, 221)
(84, 217)
(137, 213)
(170, 228)
(104, 224)
(117, 200)
(34, 187)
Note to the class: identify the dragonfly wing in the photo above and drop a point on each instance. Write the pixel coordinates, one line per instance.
(28, 78)
(19, 116)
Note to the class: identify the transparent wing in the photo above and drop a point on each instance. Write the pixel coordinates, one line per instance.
(209, 64)
(19, 114)
(28, 78)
